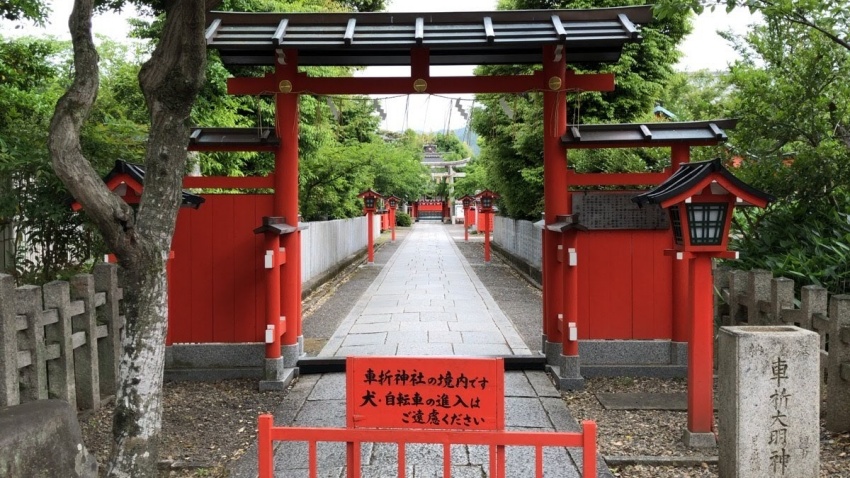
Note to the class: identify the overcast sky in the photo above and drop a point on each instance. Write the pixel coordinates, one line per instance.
(703, 49)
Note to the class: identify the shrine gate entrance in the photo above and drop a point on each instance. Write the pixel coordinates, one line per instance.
(255, 242)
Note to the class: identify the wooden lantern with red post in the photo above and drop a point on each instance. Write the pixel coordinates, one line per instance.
(392, 202)
(485, 199)
(700, 198)
(370, 203)
(467, 203)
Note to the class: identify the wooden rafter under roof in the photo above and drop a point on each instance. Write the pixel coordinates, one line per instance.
(452, 38)
(237, 139)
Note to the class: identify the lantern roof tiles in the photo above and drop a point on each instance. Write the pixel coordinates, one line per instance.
(590, 36)
(663, 133)
(137, 173)
(691, 177)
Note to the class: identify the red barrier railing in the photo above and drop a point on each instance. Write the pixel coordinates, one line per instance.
(496, 440)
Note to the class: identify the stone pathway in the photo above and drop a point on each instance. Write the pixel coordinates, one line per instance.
(426, 301)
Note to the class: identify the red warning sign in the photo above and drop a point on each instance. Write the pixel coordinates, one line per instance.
(426, 393)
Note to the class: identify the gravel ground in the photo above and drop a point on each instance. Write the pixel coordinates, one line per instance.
(208, 425)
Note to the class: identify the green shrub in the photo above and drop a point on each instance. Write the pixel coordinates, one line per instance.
(402, 219)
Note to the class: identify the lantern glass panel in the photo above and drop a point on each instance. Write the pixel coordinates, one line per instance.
(392, 203)
(706, 223)
(486, 202)
(676, 222)
(369, 202)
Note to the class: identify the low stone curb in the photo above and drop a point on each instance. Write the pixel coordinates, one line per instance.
(659, 460)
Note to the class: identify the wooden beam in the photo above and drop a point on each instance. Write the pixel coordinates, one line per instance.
(280, 32)
(419, 35)
(614, 179)
(585, 144)
(349, 31)
(212, 30)
(268, 85)
(559, 27)
(488, 30)
(227, 182)
(232, 148)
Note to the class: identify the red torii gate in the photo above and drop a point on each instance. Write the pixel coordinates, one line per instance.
(290, 40)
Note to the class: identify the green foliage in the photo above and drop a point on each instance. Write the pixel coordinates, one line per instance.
(474, 181)
(698, 95)
(402, 219)
(512, 148)
(50, 239)
(450, 146)
(811, 246)
(790, 93)
(339, 149)
(828, 18)
(620, 160)
(35, 11)
(331, 179)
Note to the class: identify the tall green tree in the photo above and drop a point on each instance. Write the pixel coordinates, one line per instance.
(153, 122)
(793, 138)
(170, 81)
(512, 148)
(791, 94)
(50, 239)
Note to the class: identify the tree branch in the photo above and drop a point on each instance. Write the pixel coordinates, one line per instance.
(170, 81)
(113, 217)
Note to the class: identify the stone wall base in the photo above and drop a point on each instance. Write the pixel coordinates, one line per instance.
(619, 358)
(208, 362)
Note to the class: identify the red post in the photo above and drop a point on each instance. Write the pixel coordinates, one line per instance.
(487, 237)
(588, 436)
(680, 154)
(168, 263)
(555, 195)
(701, 346)
(264, 446)
(273, 322)
(370, 235)
(466, 224)
(286, 196)
(570, 342)
(392, 223)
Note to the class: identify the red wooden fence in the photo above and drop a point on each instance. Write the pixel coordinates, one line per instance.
(625, 284)
(217, 271)
(495, 440)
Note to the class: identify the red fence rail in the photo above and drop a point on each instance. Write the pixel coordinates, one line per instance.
(496, 440)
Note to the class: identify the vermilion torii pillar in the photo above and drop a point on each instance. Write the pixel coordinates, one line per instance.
(557, 202)
(679, 155)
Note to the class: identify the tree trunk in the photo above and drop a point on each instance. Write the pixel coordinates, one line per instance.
(170, 81)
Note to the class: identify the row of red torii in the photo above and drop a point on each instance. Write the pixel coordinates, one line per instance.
(549, 38)
(370, 205)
